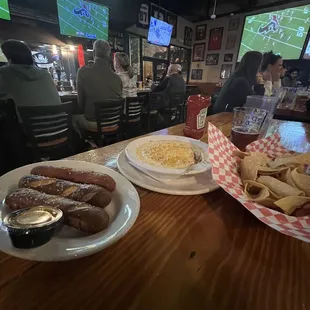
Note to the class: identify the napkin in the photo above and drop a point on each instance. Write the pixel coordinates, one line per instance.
(225, 173)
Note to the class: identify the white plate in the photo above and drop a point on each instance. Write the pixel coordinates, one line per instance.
(131, 153)
(71, 243)
(188, 185)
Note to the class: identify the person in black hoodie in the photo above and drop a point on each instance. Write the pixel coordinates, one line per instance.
(241, 84)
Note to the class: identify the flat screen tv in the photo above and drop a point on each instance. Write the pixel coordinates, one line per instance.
(307, 51)
(4, 10)
(159, 32)
(283, 31)
(83, 19)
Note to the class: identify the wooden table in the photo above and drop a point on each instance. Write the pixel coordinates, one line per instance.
(204, 252)
(293, 115)
(298, 114)
(144, 91)
(67, 95)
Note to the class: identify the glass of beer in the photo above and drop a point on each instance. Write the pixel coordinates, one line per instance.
(247, 125)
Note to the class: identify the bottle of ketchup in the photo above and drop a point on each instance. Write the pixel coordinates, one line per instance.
(197, 108)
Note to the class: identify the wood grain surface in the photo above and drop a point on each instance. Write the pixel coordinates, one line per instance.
(204, 252)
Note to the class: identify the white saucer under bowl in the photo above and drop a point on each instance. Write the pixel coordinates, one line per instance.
(188, 185)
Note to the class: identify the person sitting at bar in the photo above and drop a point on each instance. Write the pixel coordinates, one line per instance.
(125, 72)
(270, 75)
(291, 79)
(97, 83)
(241, 84)
(22, 81)
(173, 83)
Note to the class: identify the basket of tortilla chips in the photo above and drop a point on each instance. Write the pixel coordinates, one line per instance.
(271, 182)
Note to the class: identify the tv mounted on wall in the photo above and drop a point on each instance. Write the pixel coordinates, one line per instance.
(83, 19)
(4, 10)
(283, 31)
(159, 32)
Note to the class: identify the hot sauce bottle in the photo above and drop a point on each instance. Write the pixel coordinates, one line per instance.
(197, 108)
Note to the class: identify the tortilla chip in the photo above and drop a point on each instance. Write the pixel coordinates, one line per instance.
(240, 154)
(301, 180)
(291, 203)
(302, 159)
(264, 159)
(286, 177)
(259, 193)
(249, 167)
(280, 188)
(270, 171)
(255, 190)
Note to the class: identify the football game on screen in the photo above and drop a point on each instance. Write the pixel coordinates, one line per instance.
(283, 31)
(83, 19)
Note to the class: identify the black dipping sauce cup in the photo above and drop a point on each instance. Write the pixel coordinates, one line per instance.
(33, 227)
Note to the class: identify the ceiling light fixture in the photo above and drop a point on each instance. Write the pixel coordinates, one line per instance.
(213, 16)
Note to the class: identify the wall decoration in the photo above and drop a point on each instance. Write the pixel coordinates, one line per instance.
(231, 42)
(199, 52)
(215, 40)
(172, 19)
(228, 57)
(225, 71)
(197, 74)
(143, 18)
(201, 32)
(234, 24)
(188, 36)
(154, 11)
(162, 15)
(212, 59)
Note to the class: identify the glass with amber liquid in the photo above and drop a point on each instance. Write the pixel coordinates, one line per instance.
(247, 125)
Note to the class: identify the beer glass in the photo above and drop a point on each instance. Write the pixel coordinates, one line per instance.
(247, 125)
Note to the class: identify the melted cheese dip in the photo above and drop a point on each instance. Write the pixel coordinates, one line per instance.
(166, 154)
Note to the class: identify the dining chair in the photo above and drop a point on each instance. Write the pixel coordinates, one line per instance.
(213, 101)
(109, 118)
(153, 105)
(176, 107)
(132, 118)
(48, 130)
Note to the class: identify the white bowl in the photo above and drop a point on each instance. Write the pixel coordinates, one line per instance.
(131, 153)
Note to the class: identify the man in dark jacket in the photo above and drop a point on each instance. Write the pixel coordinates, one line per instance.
(97, 83)
(22, 81)
(172, 84)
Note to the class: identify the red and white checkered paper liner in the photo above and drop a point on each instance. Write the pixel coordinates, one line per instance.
(224, 170)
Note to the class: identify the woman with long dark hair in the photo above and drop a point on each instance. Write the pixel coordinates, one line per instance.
(270, 74)
(241, 84)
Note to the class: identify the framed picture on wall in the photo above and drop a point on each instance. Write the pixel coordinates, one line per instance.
(201, 32)
(234, 24)
(228, 57)
(162, 15)
(197, 74)
(154, 11)
(199, 52)
(212, 59)
(215, 40)
(225, 71)
(172, 19)
(231, 42)
(188, 36)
